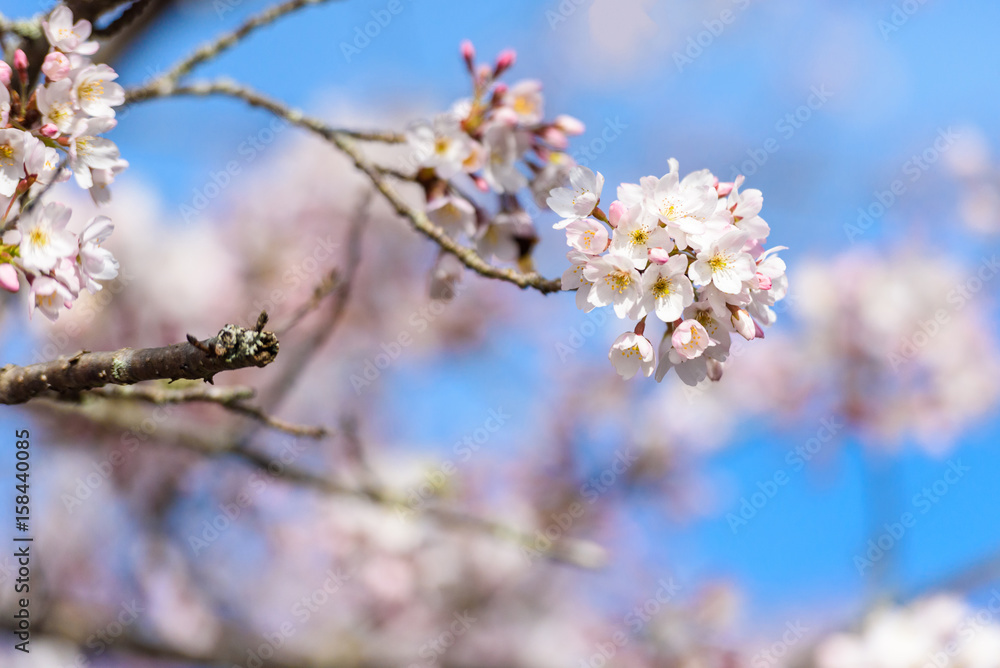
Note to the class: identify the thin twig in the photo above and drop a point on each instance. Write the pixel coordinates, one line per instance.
(324, 288)
(343, 141)
(230, 398)
(225, 42)
(576, 552)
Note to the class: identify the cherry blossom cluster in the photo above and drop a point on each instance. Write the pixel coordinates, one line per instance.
(689, 251)
(496, 138)
(49, 132)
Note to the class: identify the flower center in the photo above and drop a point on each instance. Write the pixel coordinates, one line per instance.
(6, 155)
(619, 281)
(662, 287)
(91, 90)
(639, 237)
(719, 262)
(38, 237)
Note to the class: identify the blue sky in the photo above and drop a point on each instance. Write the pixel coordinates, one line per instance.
(891, 93)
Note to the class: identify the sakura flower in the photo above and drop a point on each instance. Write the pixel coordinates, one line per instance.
(616, 282)
(96, 92)
(454, 214)
(88, 151)
(44, 237)
(587, 235)
(745, 208)
(574, 279)
(97, 263)
(48, 295)
(443, 147)
(666, 290)
(690, 339)
(11, 160)
(683, 204)
(103, 178)
(502, 151)
(525, 99)
(40, 161)
(502, 236)
(55, 101)
(632, 353)
(66, 36)
(635, 233)
(554, 173)
(724, 263)
(579, 200)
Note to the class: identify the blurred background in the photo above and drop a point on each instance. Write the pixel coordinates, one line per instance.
(827, 503)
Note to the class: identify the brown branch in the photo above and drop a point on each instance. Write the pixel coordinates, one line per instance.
(230, 398)
(234, 347)
(342, 140)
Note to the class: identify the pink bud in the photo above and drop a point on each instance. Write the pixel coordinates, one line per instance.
(615, 213)
(21, 64)
(49, 130)
(8, 278)
(763, 282)
(758, 332)
(724, 189)
(481, 183)
(5, 73)
(555, 137)
(570, 125)
(468, 51)
(500, 90)
(56, 66)
(658, 255)
(505, 61)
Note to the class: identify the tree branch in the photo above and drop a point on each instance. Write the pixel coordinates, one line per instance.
(234, 347)
(225, 42)
(230, 398)
(343, 141)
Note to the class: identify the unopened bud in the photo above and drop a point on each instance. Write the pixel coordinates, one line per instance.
(5, 73)
(744, 324)
(56, 66)
(615, 213)
(570, 125)
(658, 255)
(8, 278)
(505, 61)
(763, 282)
(49, 130)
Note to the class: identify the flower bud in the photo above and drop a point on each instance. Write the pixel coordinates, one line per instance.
(724, 188)
(658, 255)
(56, 66)
(8, 278)
(744, 324)
(555, 137)
(5, 73)
(763, 282)
(615, 213)
(570, 125)
(505, 61)
(49, 130)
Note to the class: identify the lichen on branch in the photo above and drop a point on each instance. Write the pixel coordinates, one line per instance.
(234, 347)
